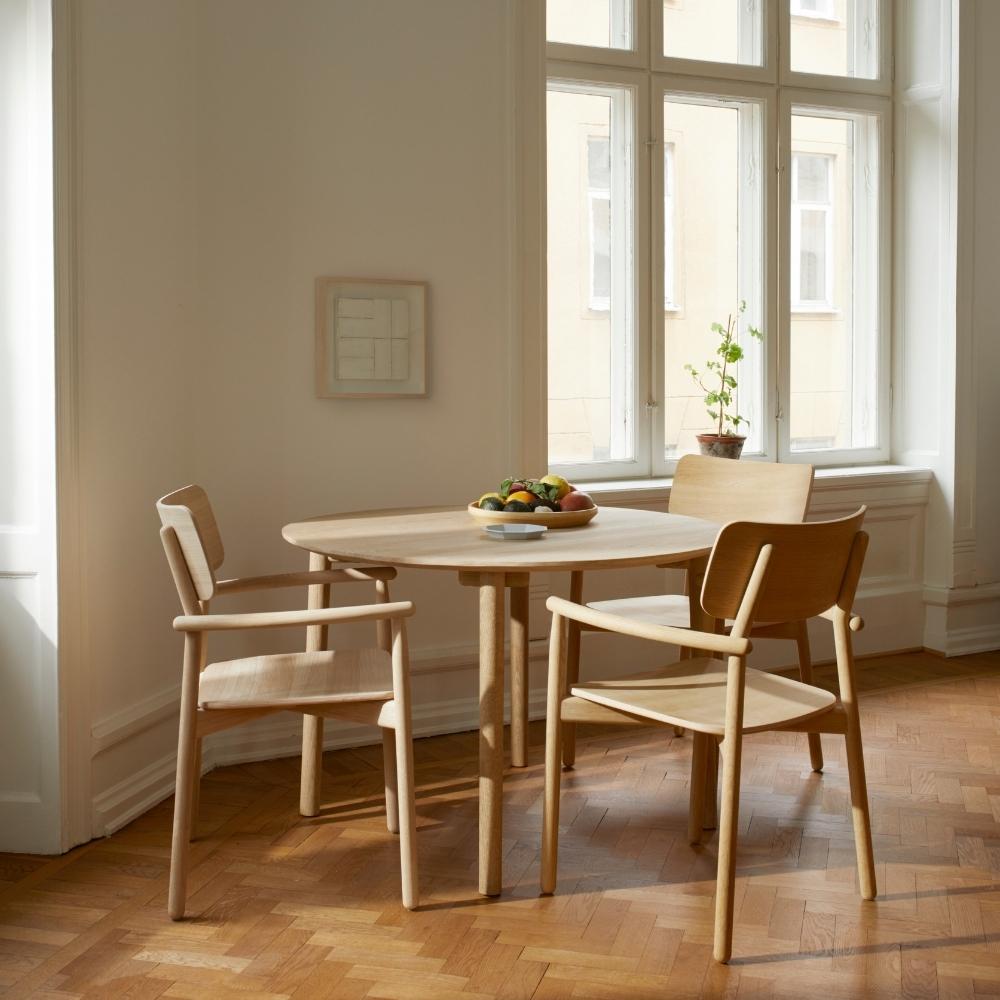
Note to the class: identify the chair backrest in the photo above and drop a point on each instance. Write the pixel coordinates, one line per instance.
(811, 568)
(188, 512)
(719, 489)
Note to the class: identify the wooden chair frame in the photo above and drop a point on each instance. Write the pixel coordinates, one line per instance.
(842, 718)
(188, 511)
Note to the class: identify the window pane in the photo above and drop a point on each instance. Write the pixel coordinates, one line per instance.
(812, 178)
(834, 266)
(835, 37)
(714, 241)
(726, 31)
(590, 318)
(812, 256)
(606, 24)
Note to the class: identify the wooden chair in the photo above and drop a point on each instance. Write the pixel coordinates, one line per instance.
(721, 490)
(768, 572)
(371, 686)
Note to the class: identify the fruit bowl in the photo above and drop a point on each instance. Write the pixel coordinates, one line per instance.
(551, 518)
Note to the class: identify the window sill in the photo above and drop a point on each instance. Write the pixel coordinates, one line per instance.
(877, 484)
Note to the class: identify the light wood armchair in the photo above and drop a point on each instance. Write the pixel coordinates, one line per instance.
(720, 490)
(370, 686)
(772, 572)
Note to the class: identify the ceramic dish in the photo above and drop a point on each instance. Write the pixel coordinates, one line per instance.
(515, 532)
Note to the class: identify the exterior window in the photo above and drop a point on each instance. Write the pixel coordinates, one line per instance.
(694, 179)
(599, 216)
(834, 249)
(591, 314)
(812, 232)
(813, 8)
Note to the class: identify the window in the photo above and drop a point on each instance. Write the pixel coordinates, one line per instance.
(599, 201)
(812, 232)
(813, 8)
(690, 171)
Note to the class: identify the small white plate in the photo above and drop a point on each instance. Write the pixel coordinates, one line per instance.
(515, 532)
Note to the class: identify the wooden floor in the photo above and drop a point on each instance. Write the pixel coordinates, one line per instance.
(286, 907)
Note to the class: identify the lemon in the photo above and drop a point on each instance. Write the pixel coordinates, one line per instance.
(559, 483)
(489, 496)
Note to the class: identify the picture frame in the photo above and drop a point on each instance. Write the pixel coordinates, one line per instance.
(371, 338)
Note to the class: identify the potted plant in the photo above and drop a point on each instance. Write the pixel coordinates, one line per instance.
(726, 442)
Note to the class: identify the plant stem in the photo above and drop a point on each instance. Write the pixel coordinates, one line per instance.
(722, 377)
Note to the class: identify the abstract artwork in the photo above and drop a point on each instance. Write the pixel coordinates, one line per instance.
(370, 337)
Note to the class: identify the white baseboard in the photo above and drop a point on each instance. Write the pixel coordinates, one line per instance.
(962, 620)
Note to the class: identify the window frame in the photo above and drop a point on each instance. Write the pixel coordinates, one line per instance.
(572, 76)
(831, 102)
(773, 84)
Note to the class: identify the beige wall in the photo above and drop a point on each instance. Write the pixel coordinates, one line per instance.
(229, 154)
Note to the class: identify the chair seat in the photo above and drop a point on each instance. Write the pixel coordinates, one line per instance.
(347, 675)
(692, 693)
(660, 609)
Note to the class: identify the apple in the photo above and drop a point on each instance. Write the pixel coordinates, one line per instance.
(576, 501)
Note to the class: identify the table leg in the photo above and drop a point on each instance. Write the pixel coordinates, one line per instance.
(491, 692)
(519, 675)
(312, 725)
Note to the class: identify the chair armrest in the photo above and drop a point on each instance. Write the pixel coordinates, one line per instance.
(854, 621)
(288, 619)
(348, 573)
(658, 633)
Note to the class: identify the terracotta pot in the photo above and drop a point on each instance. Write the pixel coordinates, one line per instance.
(721, 445)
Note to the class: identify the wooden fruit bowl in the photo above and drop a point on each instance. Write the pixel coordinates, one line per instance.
(551, 519)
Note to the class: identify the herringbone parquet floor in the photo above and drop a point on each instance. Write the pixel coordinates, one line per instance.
(286, 907)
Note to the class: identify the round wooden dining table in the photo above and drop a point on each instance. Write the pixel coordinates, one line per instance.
(449, 539)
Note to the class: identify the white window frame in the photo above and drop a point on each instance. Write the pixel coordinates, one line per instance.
(776, 88)
(670, 297)
(826, 304)
(632, 319)
(870, 276)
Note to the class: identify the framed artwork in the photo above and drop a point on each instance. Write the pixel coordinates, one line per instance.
(371, 338)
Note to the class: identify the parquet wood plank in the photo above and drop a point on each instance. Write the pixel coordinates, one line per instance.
(284, 907)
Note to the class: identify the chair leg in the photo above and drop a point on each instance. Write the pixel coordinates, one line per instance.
(312, 764)
(554, 752)
(187, 741)
(806, 676)
(855, 760)
(732, 748)
(712, 784)
(554, 734)
(195, 789)
(391, 789)
(519, 610)
(572, 669)
(403, 740)
(699, 772)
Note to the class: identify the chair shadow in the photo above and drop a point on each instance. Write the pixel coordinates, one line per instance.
(866, 949)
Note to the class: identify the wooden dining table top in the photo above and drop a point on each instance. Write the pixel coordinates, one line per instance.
(449, 538)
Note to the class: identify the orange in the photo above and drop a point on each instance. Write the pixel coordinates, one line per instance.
(523, 495)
